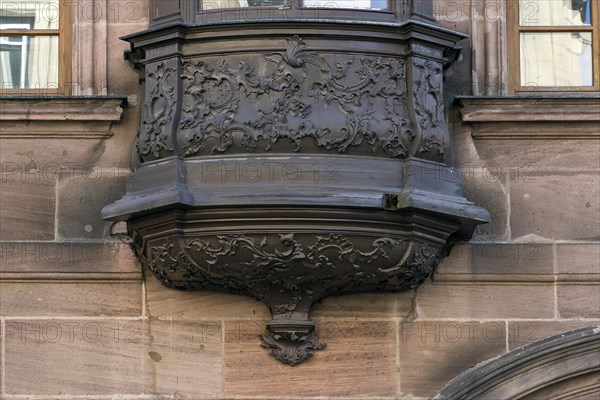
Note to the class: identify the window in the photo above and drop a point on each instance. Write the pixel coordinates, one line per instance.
(554, 45)
(34, 46)
(208, 5)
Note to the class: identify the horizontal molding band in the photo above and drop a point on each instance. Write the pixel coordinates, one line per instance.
(528, 117)
(518, 278)
(72, 117)
(55, 135)
(69, 276)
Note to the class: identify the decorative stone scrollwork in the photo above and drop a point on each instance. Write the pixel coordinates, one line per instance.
(258, 263)
(241, 123)
(429, 106)
(159, 110)
(234, 103)
(291, 349)
(290, 272)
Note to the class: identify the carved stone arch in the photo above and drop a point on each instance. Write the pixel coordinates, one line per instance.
(566, 366)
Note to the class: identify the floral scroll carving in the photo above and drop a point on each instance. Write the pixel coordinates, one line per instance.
(429, 106)
(159, 109)
(285, 101)
(282, 260)
(290, 272)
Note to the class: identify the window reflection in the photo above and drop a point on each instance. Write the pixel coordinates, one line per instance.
(554, 12)
(556, 59)
(28, 62)
(208, 5)
(360, 4)
(35, 14)
(367, 4)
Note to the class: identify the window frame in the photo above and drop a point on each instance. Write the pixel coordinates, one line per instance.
(514, 51)
(289, 7)
(300, 4)
(64, 34)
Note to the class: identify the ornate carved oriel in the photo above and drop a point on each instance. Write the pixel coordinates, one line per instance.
(293, 160)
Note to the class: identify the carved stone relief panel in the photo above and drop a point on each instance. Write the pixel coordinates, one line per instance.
(428, 101)
(296, 101)
(160, 109)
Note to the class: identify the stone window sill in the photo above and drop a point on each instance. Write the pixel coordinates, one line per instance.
(539, 117)
(80, 117)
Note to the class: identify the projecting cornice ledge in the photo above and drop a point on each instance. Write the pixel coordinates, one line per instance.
(59, 117)
(532, 117)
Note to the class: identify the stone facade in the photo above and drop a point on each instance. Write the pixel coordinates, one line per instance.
(80, 319)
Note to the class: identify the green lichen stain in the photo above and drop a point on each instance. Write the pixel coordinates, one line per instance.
(154, 356)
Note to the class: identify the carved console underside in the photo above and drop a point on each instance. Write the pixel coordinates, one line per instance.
(291, 260)
(291, 167)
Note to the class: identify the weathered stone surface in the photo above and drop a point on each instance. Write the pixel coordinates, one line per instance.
(27, 202)
(459, 260)
(367, 305)
(561, 206)
(75, 357)
(498, 262)
(115, 154)
(359, 360)
(538, 117)
(577, 259)
(73, 258)
(475, 301)
(58, 112)
(113, 356)
(81, 196)
(521, 333)
(1, 353)
(434, 352)
(512, 259)
(70, 299)
(487, 188)
(579, 300)
(50, 156)
(123, 79)
(532, 158)
(184, 358)
(162, 302)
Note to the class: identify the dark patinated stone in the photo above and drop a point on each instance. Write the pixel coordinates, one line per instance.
(291, 161)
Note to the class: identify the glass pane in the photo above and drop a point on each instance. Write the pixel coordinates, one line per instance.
(556, 59)
(208, 5)
(29, 14)
(28, 62)
(370, 4)
(554, 12)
